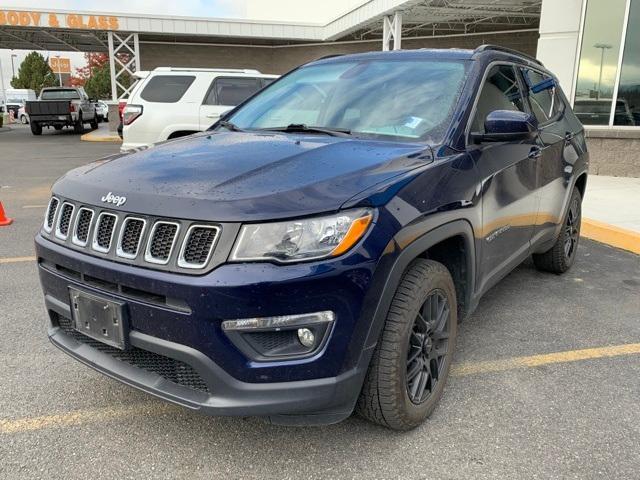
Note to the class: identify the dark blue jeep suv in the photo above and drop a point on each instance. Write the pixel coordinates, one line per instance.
(312, 253)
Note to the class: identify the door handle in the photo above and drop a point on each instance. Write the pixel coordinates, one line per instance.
(213, 115)
(535, 153)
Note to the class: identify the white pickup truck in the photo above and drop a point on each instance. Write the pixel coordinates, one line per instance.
(60, 107)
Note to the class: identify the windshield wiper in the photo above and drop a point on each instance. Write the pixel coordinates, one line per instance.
(230, 126)
(301, 127)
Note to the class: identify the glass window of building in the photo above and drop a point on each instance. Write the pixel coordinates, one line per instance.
(627, 111)
(598, 68)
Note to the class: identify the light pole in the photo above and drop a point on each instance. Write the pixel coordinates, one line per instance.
(603, 47)
(13, 68)
(4, 91)
(59, 71)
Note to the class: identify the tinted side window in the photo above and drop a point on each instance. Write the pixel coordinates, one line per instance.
(166, 88)
(232, 91)
(544, 100)
(501, 91)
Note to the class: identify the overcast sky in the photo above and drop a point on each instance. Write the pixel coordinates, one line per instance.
(312, 11)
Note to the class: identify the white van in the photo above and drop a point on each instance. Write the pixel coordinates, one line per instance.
(173, 102)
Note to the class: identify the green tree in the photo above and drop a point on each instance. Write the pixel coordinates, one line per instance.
(34, 73)
(99, 84)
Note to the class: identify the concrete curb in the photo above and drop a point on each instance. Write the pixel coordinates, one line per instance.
(611, 235)
(98, 136)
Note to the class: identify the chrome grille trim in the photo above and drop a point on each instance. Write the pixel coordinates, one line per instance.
(60, 215)
(96, 231)
(48, 214)
(147, 254)
(74, 237)
(185, 242)
(119, 251)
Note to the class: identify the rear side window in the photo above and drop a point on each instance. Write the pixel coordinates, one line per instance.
(501, 91)
(166, 88)
(232, 91)
(543, 97)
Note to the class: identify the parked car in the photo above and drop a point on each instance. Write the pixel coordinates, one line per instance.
(313, 251)
(173, 102)
(23, 116)
(102, 111)
(60, 107)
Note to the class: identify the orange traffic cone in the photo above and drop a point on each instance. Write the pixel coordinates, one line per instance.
(4, 220)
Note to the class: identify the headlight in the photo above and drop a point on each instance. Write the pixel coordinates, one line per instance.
(302, 239)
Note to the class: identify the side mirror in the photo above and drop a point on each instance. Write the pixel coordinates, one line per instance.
(507, 125)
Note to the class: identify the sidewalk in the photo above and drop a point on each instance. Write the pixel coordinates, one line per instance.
(611, 211)
(102, 134)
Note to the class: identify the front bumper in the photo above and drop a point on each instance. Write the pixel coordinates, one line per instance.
(321, 389)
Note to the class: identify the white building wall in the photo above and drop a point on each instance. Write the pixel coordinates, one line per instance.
(558, 47)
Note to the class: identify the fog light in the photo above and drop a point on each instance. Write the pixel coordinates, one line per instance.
(306, 337)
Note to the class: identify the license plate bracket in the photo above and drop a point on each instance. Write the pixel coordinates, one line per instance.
(99, 318)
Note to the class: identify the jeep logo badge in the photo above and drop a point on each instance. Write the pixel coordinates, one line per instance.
(115, 199)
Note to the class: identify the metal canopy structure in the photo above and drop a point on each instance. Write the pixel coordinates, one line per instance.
(389, 21)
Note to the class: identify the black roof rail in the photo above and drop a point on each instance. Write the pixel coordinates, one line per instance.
(497, 48)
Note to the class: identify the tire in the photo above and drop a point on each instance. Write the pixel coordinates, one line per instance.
(94, 123)
(36, 128)
(559, 258)
(399, 364)
(23, 119)
(78, 127)
(57, 127)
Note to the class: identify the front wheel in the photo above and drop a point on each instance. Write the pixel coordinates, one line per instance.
(411, 362)
(559, 258)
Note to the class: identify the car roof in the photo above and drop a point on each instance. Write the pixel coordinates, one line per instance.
(489, 52)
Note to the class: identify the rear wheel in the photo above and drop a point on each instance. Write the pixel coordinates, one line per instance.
(411, 362)
(94, 123)
(78, 127)
(57, 127)
(36, 128)
(560, 257)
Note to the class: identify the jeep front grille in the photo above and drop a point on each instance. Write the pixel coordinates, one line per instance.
(198, 246)
(51, 214)
(131, 237)
(82, 226)
(163, 238)
(64, 220)
(104, 232)
(166, 244)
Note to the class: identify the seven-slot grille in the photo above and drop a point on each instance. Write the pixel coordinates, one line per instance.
(64, 220)
(198, 246)
(83, 224)
(104, 232)
(130, 237)
(137, 239)
(51, 214)
(163, 237)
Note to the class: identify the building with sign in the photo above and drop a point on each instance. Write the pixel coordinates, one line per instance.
(592, 45)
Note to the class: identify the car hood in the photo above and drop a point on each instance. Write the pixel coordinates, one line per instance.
(242, 176)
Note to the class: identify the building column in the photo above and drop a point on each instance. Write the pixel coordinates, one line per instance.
(392, 29)
(124, 58)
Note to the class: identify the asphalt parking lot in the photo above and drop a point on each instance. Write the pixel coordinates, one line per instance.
(546, 380)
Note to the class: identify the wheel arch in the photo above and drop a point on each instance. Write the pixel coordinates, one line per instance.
(435, 245)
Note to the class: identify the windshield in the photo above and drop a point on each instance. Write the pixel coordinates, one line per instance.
(391, 99)
(59, 95)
